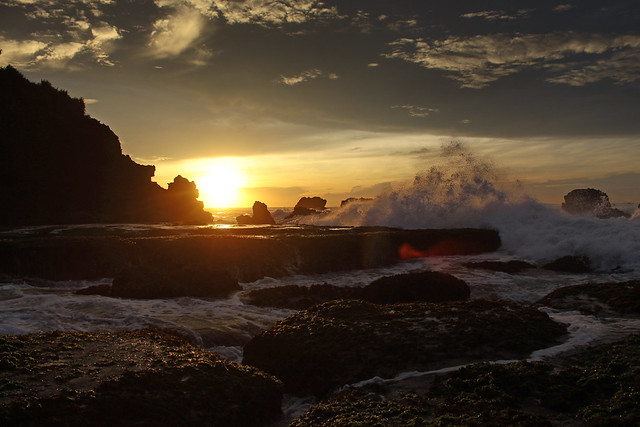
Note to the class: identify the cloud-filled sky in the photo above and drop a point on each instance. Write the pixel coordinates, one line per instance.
(338, 98)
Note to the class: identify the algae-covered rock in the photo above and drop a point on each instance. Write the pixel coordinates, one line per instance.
(143, 377)
(600, 299)
(341, 342)
(427, 286)
(597, 387)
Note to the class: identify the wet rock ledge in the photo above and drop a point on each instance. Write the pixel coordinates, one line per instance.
(143, 377)
(326, 346)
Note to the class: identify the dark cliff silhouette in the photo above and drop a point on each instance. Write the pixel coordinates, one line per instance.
(60, 166)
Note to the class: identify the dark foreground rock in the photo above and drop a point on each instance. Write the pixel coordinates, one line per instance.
(93, 253)
(570, 264)
(144, 377)
(597, 387)
(591, 201)
(426, 286)
(163, 282)
(329, 345)
(261, 215)
(600, 299)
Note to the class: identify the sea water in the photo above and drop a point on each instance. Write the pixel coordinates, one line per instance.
(460, 191)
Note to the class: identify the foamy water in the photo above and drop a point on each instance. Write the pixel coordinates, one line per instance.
(462, 191)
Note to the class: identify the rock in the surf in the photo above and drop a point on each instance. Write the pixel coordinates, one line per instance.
(308, 206)
(425, 286)
(316, 350)
(509, 267)
(599, 299)
(261, 215)
(591, 201)
(143, 377)
(168, 282)
(570, 264)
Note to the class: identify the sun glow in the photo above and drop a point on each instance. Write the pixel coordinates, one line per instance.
(219, 183)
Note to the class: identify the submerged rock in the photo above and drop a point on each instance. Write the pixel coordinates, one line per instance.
(341, 342)
(510, 267)
(426, 286)
(261, 215)
(570, 264)
(143, 377)
(591, 201)
(599, 299)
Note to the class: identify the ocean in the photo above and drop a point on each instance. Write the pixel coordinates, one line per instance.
(530, 231)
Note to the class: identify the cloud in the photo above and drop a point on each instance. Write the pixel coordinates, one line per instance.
(417, 111)
(273, 12)
(306, 76)
(177, 32)
(59, 34)
(496, 15)
(20, 53)
(477, 61)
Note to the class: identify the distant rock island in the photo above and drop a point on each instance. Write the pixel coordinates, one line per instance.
(60, 166)
(591, 201)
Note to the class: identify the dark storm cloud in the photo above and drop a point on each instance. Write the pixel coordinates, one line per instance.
(495, 68)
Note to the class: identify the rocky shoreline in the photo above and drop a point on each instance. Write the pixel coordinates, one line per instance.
(154, 376)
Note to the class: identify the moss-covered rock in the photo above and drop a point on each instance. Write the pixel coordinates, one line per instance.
(341, 342)
(597, 387)
(600, 299)
(143, 377)
(426, 286)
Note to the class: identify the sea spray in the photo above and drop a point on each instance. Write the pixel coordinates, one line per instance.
(464, 190)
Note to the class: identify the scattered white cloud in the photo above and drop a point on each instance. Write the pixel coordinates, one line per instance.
(496, 15)
(306, 76)
(479, 60)
(417, 111)
(20, 53)
(177, 32)
(273, 12)
(562, 7)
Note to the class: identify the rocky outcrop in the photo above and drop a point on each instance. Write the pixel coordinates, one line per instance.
(591, 201)
(599, 299)
(143, 377)
(354, 199)
(570, 264)
(169, 282)
(428, 286)
(316, 350)
(94, 253)
(308, 206)
(597, 386)
(261, 215)
(60, 166)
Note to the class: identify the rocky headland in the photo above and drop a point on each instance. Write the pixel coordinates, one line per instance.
(60, 166)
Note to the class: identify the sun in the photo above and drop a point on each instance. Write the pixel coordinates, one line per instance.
(219, 184)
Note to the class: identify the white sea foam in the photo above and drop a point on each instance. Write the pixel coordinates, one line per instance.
(464, 191)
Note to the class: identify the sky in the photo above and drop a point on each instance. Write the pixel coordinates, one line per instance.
(273, 100)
